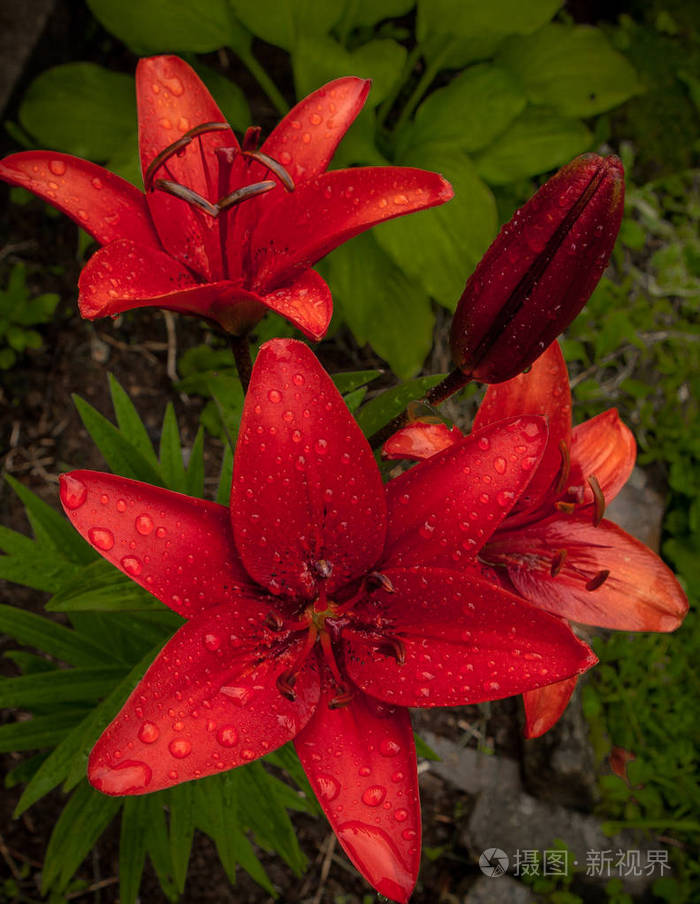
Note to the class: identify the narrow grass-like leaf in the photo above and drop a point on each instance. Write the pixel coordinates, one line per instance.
(29, 663)
(51, 527)
(25, 771)
(194, 484)
(73, 751)
(382, 408)
(355, 398)
(84, 818)
(158, 846)
(58, 686)
(129, 421)
(102, 587)
(132, 847)
(171, 464)
(286, 758)
(44, 634)
(120, 454)
(181, 830)
(223, 492)
(38, 733)
(348, 380)
(43, 570)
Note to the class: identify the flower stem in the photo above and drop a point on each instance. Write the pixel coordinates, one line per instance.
(241, 354)
(452, 383)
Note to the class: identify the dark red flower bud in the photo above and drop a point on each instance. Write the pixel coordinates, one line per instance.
(540, 270)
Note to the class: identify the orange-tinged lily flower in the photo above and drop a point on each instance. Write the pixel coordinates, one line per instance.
(555, 548)
(224, 231)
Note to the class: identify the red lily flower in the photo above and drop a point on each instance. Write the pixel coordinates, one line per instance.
(223, 231)
(555, 549)
(319, 608)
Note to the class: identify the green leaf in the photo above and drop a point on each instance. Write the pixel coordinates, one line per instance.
(537, 141)
(228, 96)
(458, 33)
(369, 12)
(39, 732)
(381, 304)
(119, 453)
(82, 109)
(440, 247)
(84, 818)
(156, 26)
(194, 485)
(132, 847)
(73, 751)
(158, 844)
(52, 528)
(352, 379)
(573, 69)
(171, 464)
(58, 686)
(382, 408)
(129, 421)
(44, 634)
(223, 493)
(469, 112)
(39, 566)
(181, 830)
(102, 587)
(319, 59)
(285, 22)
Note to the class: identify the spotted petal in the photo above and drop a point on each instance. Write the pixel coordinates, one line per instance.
(545, 705)
(304, 225)
(361, 762)
(442, 511)
(180, 549)
(307, 499)
(544, 390)
(208, 703)
(105, 205)
(459, 640)
(605, 578)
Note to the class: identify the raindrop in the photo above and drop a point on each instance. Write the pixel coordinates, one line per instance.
(149, 733)
(365, 770)
(126, 778)
(57, 167)
(505, 498)
(484, 443)
(274, 395)
(374, 795)
(397, 777)
(389, 748)
(180, 748)
(328, 787)
(321, 446)
(247, 754)
(212, 642)
(499, 465)
(132, 565)
(401, 815)
(144, 525)
(96, 183)
(104, 499)
(121, 505)
(408, 834)
(298, 379)
(227, 736)
(73, 492)
(161, 532)
(101, 538)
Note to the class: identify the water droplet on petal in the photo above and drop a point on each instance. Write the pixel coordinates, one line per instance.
(484, 443)
(227, 736)
(499, 465)
(328, 787)
(121, 505)
(321, 446)
(126, 778)
(374, 795)
(144, 525)
(57, 167)
(149, 733)
(274, 395)
(401, 815)
(132, 565)
(389, 748)
(73, 492)
(101, 538)
(180, 748)
(298, 379)
(212, 642)
(247, 754)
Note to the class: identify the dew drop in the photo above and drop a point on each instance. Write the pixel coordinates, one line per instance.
(274, 395)
(227, 736)
(328, 787)
(373, 795)
(73, 492)
(364, 770)
(212, 642)
(298, 379)
(121, 505)
(161, 532)
(247, 754)
(57, 167)
(149, 733)
(505, 498)
(397, 777)
(144, 525)
(408, 834)
(401, 815)
(499, 465)
(484, 443)
(96, 183)
(132, 565)
(104, 499)
(321, 446)
(101, 538)
(126, 778)
(389, 748)
(180, 748)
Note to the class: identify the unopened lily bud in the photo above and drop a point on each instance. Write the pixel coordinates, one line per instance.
(540, 270)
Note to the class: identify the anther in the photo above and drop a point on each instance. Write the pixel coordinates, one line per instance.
(565, 468)
(323, 568)
(285, 684)
(599, 500)
(566, 507)
(274, 620)
(598, 580)
(179, 146)
(242, 194)
(380, 580)
(558, 562)
(188, 195)
(341, 699)
(392, 646)
(251, 139)
(420, 410)
(274, 166)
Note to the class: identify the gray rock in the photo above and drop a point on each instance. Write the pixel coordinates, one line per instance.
(639, 509)
(470, 770)
(502, 890)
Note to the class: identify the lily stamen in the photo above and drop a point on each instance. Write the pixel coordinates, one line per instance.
(242, 194)
(565, 468)
(598, 580)
(286, 680)
(178, 146)
(274, 166)
(188, 195)
(558, 562)
(599, 500)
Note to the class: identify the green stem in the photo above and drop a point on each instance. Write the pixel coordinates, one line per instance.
(264, 80)
(343, 27)
(244, 364)
(426, 80)
(388, 102)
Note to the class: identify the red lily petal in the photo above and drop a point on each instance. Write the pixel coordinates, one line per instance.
(304, 225)
(544, 390)
(307, 495)
(639, 593)
(419, 441)
(463, 640)
(171, 101)
(361, 762)
(208, 703)
(179, 548)
(605, 448)
(442, 511)
(305, 140)
(105, 205)
(306, 302)
(123, 276)
(545, 705)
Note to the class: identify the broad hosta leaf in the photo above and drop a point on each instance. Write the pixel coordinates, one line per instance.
(45, 635)
(381, 304)
(381, 409)
(369, 12)
(471, 29)
(573, 69)
(470, 111)
(284, 22)
(84, 818)
(157, 26)
(318, 60)
(82, 109)
(440, 247)
(228, 96)
(39, 732)
(537, 141)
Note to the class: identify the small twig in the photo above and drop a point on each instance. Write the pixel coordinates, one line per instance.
(96, 886)
(325, 868)
(171, 366)
(241, 354)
